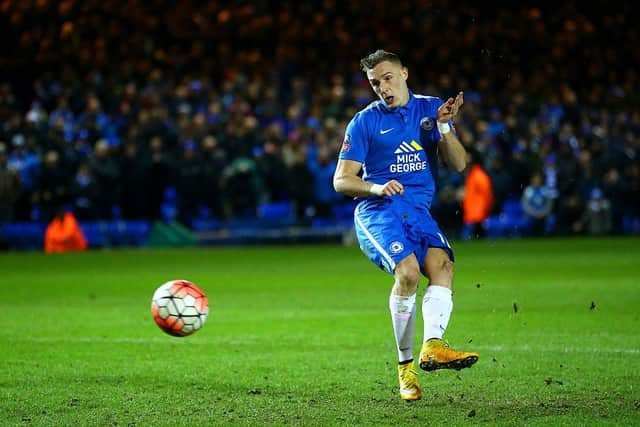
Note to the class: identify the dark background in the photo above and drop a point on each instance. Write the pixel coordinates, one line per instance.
(217, 108)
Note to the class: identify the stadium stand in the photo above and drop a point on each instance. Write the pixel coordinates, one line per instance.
(168, 126)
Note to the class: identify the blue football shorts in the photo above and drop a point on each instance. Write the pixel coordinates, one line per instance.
(389, 229)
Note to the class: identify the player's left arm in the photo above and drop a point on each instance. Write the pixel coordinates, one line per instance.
(450, 146)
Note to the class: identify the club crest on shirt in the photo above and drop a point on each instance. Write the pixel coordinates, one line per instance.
(427, 123)
(345, 144)
(396, 247)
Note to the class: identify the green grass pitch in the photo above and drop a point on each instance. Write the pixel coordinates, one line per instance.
(301, 335)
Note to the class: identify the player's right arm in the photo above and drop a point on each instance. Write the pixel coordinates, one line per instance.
(347, 181)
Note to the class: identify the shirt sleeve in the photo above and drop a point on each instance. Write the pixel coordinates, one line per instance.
(355, 144)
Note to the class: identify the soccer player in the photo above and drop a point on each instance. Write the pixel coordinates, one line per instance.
(395, 142)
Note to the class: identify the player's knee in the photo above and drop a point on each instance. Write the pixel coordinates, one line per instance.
(446, 270)
(408, 278)
(447, 267)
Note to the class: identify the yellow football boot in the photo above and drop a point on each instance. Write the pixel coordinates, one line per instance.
(436, 354)
(409, 385)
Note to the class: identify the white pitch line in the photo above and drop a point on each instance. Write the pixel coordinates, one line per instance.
(251, 340)
(132, 340)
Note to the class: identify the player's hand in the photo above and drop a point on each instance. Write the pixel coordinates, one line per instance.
(449, 109)
(390, 188)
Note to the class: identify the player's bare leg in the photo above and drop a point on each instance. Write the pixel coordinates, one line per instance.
(437, 306)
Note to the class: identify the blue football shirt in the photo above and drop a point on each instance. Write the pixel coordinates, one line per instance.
(397, 143)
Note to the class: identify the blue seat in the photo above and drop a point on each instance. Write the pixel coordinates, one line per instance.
(24, 235)
(276, 210)
(116, 211)
(96, 233)
(170, 195)
(129, 233)
(169, 211)
(205, 224)
(514, 226)
(204, 211)
(239, 224)
(493, 226)
(319, 223)
(116, 233)
(135, 233)
(512, 207)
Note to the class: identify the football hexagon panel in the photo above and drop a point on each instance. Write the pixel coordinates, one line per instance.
(189, 300)
(179, 307)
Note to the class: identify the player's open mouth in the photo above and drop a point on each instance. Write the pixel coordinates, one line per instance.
(388, 100)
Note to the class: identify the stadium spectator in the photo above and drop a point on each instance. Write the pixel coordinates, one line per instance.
(567, 170)
(632, 179)
(569, 211)
(322, 166)
(521, 164)
(501, 183)
(617, 192)
(273, 170)
(53, 188)
(188, 181)
(177, 80)
(84, 191)
(26, 162)
(478, 196)
(550, 176)
(10, 187)
(159, 176)
(106, 172)
(63, 234)
(596, 218)
(243, 188)
(537, 204)
(135, 183)
(300, 182)
(213, 159)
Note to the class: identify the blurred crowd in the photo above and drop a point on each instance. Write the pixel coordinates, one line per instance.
(104, 106)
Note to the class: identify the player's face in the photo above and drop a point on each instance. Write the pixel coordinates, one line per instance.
(389, 82)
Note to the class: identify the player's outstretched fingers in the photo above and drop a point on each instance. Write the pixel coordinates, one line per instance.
(457, 104)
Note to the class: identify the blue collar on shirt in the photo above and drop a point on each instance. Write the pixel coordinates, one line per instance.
(405, 107)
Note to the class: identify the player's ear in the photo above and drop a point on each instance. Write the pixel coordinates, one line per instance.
(405, 72)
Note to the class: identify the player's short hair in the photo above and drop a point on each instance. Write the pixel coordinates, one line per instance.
(373, 59)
